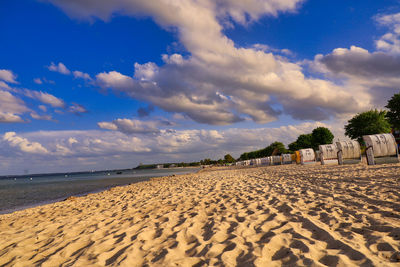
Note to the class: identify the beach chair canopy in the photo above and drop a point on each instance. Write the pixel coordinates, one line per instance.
(383, 145)
(328, 151)
(265, 161)
(276, 159)
(286, 158)
(350, 149)
(307, 155)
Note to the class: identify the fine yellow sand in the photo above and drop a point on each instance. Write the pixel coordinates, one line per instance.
(269, 216)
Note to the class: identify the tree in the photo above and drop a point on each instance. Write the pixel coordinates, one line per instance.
(228, 158)
(366, 123)
(321, 136)
(293, 146)
(206, 161)
(393, 115)
(276, 148)
(303, 141)
(244, 156)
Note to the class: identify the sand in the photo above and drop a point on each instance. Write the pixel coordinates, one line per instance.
(266, 216)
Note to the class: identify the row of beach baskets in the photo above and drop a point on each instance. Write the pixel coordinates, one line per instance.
(380, 149)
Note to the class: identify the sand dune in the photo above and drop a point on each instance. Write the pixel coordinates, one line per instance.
(272, 216)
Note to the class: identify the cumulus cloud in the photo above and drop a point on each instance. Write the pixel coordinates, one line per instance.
(42, 81)
(60, 67)
(77, 109)
(37, 81)
(11, 107)
(9, 117)
(36, 116)
(8, 76)
(24, 144)
(45, 98)
(374, 76)
(132, 126)
(4, 86)
(360, 62)
(218, 82)
(82, 75)
(42, 108)
(267, 48)
(390, 42)
(239, 11)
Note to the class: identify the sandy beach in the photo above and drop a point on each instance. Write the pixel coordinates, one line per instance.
(267, 216)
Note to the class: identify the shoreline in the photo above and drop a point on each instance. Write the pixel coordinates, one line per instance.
(329, 215)
(46, 202)
(61, 199)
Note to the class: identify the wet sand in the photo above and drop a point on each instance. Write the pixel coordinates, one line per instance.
(266, 216)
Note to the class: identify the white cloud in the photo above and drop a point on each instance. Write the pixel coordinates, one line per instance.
(24, 144)
(252, 82)
(4, 86)
(37, 81)
(267, 48)
(145, 72)
(82, 75)
(42, 108)
(114, 79)
(11, 107)
(77, 109)
(373, 76)
(8, 76)
(389, 42)
(238, 11)
(72, 141)
(132, 126)
(220, 83)
(41, 117)
(45, 98)
(108, 125)
(60, 67)
(9, 117)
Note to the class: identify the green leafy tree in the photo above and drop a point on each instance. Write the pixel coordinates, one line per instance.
(293, 146)
(366, 123)
(303, 141)
(244, 156)
(276, 148)
(206, 161)
(321, 136)
(393, 115)
(228, 158)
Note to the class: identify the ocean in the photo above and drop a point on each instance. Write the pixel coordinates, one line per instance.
(22, 192)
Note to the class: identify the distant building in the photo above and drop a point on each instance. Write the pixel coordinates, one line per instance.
(160, 166)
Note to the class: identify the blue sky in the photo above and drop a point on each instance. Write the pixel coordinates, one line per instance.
(210, 77)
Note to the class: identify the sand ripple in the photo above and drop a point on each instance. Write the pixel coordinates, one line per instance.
(273, 216)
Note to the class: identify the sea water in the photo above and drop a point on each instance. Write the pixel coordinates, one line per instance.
(21, 192)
